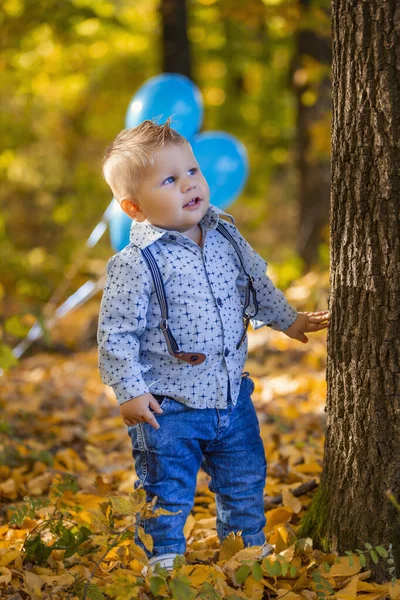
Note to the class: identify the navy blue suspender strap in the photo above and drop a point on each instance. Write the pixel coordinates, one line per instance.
(249, 288)
(193, 358)
(196, 358)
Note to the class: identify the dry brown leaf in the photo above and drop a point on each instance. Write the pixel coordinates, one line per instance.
(8, 489)
(5, 575)
(291, 502)
(68, 460)
(38, 485)
(64, 580)
(33, 583)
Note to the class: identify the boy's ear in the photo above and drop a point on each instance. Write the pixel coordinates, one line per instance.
(130, 206)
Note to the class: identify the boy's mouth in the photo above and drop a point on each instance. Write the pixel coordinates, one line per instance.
(193, 202)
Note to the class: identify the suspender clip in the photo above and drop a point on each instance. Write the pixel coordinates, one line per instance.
(164, 325)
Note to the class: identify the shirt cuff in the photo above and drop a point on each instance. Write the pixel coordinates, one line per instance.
(129, 388)
(282, 321)
(285, 319)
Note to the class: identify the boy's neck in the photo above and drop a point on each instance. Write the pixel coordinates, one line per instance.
(195, 234)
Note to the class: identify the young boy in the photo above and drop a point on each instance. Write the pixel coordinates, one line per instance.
(183, 364)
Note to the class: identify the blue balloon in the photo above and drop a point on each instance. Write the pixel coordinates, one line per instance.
(164, 96)
(120, 227)
(224, 163)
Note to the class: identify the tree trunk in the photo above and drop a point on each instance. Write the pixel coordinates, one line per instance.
(176, 50)
(362, 449)
(313, 165)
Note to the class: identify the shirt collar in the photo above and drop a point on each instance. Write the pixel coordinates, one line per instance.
(143, 234)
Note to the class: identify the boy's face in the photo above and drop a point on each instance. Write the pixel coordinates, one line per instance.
(172, 194)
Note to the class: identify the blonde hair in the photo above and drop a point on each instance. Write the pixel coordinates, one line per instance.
(132, 151)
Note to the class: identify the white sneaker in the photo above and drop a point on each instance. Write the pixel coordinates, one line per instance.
(166, 561)
(266, 550)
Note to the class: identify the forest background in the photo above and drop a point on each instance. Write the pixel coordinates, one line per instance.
(69, 70)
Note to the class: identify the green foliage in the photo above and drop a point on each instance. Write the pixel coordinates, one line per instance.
(67, 483)
(181, 588)
(123, 586)
(59, 532)
(375, 554)
(257, 571)
(93, 592)
(313, 523)
(156, 583)
(207, 592)
(7, 359)
(20, 513)
(322, 586)
(70, 70)
(241, 574)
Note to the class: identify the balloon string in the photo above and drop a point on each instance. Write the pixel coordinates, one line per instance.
(82, 295)
(78, 298)
(92, 240)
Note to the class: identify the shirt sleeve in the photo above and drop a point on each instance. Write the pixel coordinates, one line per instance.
(274, 309)
(122, 321)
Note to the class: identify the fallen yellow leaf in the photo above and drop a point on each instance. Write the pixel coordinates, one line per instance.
(288, 595)
(394, 590)
(230, 546)
(309, 468)
(342, 568)
(349, 592)
(9, 557)
(187, 530)
(198, 574)
(277, 516)
(253, 589)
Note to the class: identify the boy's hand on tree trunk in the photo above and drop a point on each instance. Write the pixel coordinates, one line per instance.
(308, 322)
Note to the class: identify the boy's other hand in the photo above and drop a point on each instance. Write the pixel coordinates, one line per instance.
(308, 322)
(137, 410)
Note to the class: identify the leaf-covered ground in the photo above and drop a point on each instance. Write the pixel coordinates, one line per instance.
(66, 487)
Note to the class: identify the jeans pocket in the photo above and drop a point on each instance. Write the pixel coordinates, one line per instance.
(250, 382)
(163, 401)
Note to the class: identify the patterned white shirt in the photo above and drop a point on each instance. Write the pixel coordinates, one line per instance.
(205, 289)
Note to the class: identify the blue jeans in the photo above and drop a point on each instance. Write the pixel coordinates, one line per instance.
(226, 443)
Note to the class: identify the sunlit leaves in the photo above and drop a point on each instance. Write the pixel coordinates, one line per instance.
(85, 511)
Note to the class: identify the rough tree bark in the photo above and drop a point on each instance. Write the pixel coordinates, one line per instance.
(362, 449)
(314, 171)
(176, 50)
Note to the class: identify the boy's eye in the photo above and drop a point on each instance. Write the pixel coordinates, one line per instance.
(193, 171)
(170, 179)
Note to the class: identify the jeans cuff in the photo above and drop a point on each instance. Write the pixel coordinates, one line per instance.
(258, 539)
(175, 549)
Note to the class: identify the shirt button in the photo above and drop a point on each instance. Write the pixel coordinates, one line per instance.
(172, 237)
(219, 301)
(226, 352)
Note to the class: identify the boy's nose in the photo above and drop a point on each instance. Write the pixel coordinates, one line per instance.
(188, 185)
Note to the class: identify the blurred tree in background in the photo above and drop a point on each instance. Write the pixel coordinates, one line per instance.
(69, 70)
(312, 85)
